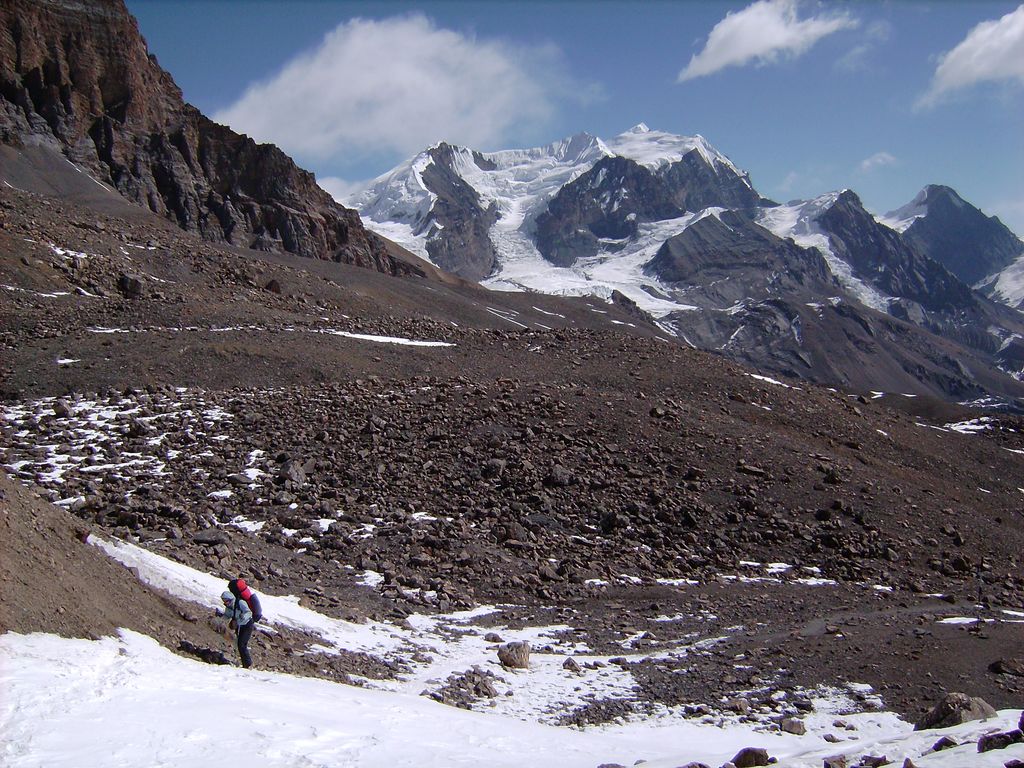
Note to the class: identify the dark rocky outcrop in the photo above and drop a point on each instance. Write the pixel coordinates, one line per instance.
(881, 257)
(77, 77)
(749, 256)
(606, 202)
(458, 222)
(617, 194)
(954, 233)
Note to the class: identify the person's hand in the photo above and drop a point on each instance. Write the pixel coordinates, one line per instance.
(232, 625)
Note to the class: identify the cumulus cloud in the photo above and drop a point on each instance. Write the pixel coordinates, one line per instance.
(992, 52)
(877, 160)
(397, 86)
(762, 32)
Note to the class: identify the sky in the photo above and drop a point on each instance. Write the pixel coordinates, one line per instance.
(808, 97)
(124, 700)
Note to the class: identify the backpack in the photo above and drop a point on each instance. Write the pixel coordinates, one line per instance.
(241, 591)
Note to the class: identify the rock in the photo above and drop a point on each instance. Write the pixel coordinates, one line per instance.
(572, 665)
(954, 709)
(794, 726)
(515, 655)
(739, 706)
(1014, 667)
(1002, 740)
(944, 743)
(695, 765)
(292, 471)
(62, 409)
(749, 757)
(211, 536)
(839, 761)
(492, 637)
(871, 761)
(208, 655)
(130, 286)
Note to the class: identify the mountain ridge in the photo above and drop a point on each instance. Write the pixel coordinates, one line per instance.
(595, 221)
(78, 77)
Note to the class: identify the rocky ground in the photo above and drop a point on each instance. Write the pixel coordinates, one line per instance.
(560, 458)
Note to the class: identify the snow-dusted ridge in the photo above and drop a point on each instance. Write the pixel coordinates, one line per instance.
(798, 220)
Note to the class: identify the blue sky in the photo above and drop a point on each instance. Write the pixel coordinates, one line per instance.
(879, 97)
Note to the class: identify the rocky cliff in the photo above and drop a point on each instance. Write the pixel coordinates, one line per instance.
(617, 194)
(459, 221)
(77, 76)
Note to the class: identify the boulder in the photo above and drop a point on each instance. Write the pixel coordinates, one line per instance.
(991, 741)
(211, 536)
(794, 726)
(944, 743)
(515, 655)
(749, 757)
(130, 286)
(954, 709)
(1014, 667)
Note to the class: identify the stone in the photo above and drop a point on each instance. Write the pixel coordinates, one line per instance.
(211, 536)
(794, 726)
(839, 761)
(749, 757)
(131, 286)
(1014, 667)
(944, 743)
(991, 741)
(62, 409)
(954, 709)
(292, 471)
(515, 655)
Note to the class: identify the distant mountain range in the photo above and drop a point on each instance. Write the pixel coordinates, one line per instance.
(922, 301)
(820, 289)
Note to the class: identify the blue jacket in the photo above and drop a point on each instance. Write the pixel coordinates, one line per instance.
(237, 611)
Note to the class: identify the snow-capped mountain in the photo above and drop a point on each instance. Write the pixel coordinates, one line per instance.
(978, 249)
(676, 227)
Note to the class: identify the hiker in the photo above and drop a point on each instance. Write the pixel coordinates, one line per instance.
(241, 590)
(239, 619)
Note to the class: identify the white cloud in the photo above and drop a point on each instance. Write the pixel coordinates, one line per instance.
(787, 184)
(397, 86)
(877, 160)
(761, 32)
(339, 188)
(993, 51)
(860, 57)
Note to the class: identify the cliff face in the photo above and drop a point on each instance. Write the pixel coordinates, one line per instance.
(78, 76)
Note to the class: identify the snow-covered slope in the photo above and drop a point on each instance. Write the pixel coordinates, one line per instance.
(520, 182)
(799, 220)
(127, 701)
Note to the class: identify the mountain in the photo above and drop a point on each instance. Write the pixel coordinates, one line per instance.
(978, 249)
(77, 82)
(819, 289)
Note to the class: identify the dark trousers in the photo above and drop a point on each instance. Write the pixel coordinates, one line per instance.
(244, 633)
